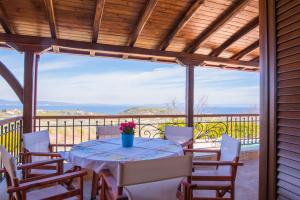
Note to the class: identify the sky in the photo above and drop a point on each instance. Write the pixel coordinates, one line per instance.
(95, 80)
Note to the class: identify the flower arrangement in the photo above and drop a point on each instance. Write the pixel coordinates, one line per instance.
(127, 127)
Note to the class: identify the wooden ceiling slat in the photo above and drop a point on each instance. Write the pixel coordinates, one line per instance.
(216, 24)
(51, 17)
(5, 22)
(97, 19)
(243, 31)
(246, 50)
(145, 15)
(181, 23)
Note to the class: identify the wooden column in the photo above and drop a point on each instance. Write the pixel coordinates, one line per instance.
(36, 66)
(189, 96)
(28, 98)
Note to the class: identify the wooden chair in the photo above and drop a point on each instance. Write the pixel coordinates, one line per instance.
(38, 188)
(181, 135)
(220, 179)
(135, 178)
(107, 132)
(37, 147)
(103, 132)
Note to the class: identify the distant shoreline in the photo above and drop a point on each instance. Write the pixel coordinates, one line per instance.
(117, 109)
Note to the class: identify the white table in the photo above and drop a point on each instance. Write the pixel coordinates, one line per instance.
(102, 154)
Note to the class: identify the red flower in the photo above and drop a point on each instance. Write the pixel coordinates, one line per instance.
(127, 127)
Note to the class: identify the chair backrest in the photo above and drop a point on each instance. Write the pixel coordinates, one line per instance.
(37, 142)
(230, 148)
(179, 135)
(107, 132)
(147, 171)
(9, 164)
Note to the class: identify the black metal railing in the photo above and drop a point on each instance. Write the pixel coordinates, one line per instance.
(208, 128)
(10, 137)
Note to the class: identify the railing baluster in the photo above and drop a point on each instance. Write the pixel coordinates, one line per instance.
(73, 130)
(56, 134)
(65, 134)
(80, 131)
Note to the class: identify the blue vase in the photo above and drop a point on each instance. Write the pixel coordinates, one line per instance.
(127, 140)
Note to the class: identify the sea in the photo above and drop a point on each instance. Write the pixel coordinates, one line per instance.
(116, 109)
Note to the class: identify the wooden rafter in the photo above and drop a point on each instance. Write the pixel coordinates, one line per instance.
(5, 22)
(145, 15)
(247, 50)
(240, 33)
(12, 81)
(181, 23)
(51, 17)
(256, 59)
(216, 24)
(43, 43)
(97, 19)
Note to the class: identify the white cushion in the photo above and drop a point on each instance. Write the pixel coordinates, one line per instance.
(37, 142)
(179, 135)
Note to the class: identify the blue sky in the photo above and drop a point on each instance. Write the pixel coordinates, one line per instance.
(84, 79)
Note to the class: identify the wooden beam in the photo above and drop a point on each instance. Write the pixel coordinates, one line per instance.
(51, 17)
(216, 24)
(42, 42)
(28, 95)
(256, 59)
(97, 19)
(189, 96)
(12, 81)
(240, 33)
(181, 23)
(247, 50)
(55, 49)
(145, 15)
(5, 22)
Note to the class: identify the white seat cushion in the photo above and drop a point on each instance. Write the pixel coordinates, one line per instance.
(47, 192)
(160, 190)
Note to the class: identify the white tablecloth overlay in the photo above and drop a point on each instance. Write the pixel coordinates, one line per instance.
(97, 155)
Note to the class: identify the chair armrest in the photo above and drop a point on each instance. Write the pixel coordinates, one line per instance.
(40, 163)
(44, 154)
(46, 181)
(187, 143)
(216, 163)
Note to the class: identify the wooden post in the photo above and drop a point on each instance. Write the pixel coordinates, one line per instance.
(28, 99)
(189, 96)
(36, 65)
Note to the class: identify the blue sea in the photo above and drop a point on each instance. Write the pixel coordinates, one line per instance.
(115, 109)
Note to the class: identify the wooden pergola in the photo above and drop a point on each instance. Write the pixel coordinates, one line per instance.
(210, 33)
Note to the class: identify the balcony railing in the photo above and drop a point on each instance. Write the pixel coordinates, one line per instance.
(10, 136)
(208, 128)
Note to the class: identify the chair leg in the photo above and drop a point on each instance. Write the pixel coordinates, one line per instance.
(81, 188)
(232, 193)
(95, 181)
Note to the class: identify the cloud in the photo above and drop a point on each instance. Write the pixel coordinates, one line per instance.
(89, 80)
(160, 85)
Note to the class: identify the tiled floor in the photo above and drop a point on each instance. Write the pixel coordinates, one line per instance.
(246, 182)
